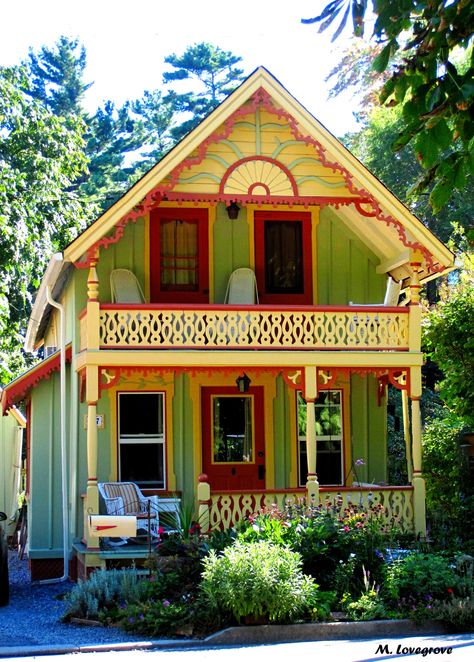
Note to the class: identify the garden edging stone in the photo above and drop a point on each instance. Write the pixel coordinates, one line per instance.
(251, 635)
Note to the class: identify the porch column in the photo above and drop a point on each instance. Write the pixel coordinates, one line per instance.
(91, 505)
(310, 394)
(418, 481)
(204, 502)
(406, 434)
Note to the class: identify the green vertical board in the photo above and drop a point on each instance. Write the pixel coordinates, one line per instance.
(282, 445)
(231, 248)
(45, 506)
(346, 267)
(359, 426)
(183, 437)
(127, 253)
(368, 429)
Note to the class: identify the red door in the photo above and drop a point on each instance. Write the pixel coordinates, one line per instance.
(179, 263)
(233, 438)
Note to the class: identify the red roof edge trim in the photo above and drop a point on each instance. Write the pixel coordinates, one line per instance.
(17, 390)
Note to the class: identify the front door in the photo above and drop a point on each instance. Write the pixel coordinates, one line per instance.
(233, 438)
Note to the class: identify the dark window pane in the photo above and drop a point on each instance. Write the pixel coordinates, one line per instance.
(232, 431)
(140, 413)
(284, 257)
(142, 464)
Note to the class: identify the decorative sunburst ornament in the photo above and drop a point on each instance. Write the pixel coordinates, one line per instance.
(258, 175)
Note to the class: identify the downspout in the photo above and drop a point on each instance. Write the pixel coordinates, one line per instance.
(62, 388)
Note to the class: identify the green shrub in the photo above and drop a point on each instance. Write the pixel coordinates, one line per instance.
(412, 584)
(456, 613)
(258, 579)
(329, 538)
(104, 589)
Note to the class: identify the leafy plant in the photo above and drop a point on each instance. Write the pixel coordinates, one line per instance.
(155, 618)
(456, 613)
(258, 579)
(413, 582)
(103, 590)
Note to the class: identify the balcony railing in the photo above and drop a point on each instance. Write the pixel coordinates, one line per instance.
(211, 327)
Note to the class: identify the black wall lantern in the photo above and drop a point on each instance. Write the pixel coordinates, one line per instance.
(243, 382)
(233, 210)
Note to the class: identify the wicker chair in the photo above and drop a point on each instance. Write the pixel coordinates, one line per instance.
(127, 499)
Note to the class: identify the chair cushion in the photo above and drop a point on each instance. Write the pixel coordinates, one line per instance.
(128, 492)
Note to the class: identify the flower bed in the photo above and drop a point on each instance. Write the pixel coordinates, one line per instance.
(283, 566)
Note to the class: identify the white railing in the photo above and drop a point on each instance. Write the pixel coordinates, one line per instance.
(255, 327)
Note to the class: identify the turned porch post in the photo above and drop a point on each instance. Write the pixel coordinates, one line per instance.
(419, 492)
(204, 502)
(406, 434)
(310, 395)
(91, 505)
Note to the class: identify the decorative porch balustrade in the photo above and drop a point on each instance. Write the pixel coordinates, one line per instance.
(255, 327)
(228, 507)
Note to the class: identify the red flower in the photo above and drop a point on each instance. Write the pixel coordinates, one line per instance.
(450, 591)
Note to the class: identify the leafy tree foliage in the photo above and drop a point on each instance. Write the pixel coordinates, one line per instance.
(216, 74)
(400, 171)
(41, 156)
(449, 340)
(435, 92)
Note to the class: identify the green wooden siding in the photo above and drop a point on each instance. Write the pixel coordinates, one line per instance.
(345, 266)
(231, 249)
(368, 429)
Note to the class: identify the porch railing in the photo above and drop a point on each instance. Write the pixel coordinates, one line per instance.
(227, 508)
(254, 327)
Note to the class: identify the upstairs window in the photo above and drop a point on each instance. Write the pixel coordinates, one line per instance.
(179, 255)
(283, 257)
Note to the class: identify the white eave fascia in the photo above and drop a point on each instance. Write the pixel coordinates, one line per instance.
(39, 307)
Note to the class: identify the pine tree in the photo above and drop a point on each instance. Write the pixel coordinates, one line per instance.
(216, 75)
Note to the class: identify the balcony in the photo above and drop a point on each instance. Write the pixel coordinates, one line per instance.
(212, 327)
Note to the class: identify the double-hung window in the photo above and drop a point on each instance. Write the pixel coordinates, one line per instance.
(141, 439)
(329, 438)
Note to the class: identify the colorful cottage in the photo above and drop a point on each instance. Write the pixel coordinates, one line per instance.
(248, 362)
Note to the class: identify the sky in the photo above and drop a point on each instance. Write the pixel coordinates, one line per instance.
(127, 40)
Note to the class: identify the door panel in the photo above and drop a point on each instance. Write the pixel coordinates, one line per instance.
(233, 438)
(179, 269)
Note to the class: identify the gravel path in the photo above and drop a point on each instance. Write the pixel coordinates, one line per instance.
(32, 617)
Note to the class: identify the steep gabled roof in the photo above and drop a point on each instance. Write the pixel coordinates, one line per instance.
(389, 228)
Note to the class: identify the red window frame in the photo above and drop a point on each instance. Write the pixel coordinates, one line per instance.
(200, 217)
(303, 298)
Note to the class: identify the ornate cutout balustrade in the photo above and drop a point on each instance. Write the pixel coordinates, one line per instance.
(251, 327)
(229, 507)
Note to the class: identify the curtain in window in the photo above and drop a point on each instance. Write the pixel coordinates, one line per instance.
(283, 257)
(179, 254)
